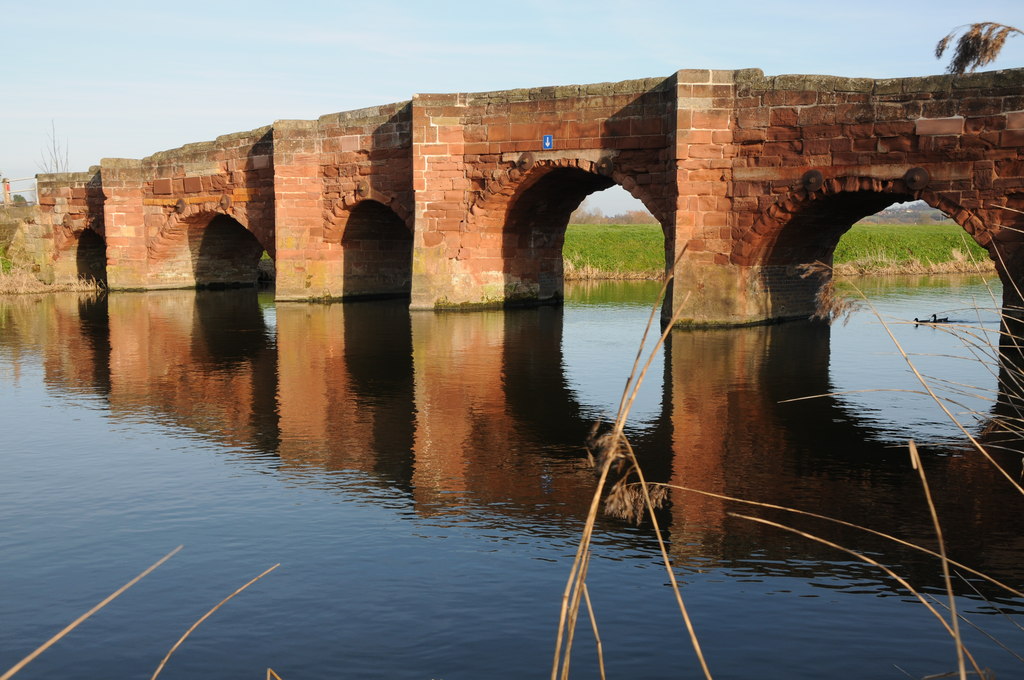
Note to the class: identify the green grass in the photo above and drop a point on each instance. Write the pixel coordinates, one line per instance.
(907, 243)
(5, 264)
(610, 248)
(618, 251)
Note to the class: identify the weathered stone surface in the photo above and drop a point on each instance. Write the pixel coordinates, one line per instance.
(456, 200)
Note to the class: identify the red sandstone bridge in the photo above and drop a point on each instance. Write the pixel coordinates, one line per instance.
(461, 200)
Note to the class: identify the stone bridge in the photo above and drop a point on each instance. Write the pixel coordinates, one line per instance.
(461, 200)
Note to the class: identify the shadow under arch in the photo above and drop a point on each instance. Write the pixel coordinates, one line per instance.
(224, 253)
(91, 256)
(805, 227)
(377, 251)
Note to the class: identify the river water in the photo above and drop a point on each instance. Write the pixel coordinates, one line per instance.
(421, 479)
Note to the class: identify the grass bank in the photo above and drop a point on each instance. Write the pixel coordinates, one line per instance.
(909, 249)
(15, 280)
(636, 251)
(610, 251)
(21, 281)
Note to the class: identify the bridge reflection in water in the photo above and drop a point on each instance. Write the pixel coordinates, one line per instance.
(477, 415)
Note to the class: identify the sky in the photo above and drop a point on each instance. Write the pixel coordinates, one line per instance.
(119, 79)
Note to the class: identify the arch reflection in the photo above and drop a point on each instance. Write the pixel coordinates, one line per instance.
(476, 415)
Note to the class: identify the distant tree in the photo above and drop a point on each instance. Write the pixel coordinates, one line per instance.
(55, 153)
(636, 217)
(979, 45)
(19, 200)
(586, 214)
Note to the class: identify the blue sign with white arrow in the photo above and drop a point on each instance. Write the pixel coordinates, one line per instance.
(548, 141)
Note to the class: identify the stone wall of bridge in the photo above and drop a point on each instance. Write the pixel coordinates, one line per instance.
(461, 200)
(344, 204)
(811, 155)
(492, 202)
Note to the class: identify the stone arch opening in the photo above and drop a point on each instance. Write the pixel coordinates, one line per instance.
(377, 251)
(91, 256)
(79, 254)
(224, 253)
(806, 228)
(531, 220)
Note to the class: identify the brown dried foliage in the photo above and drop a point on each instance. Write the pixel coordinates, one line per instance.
(979, 45)
(830, 306)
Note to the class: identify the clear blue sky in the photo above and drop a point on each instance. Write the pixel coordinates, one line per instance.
(127, 79)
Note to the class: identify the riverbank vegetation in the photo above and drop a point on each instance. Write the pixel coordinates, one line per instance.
(608, 251)
(15, 280)
(636, 251)
(909, 249)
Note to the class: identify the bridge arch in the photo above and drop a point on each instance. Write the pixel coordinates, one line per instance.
(803, 227)
(377, 251)
(80, 251)
(521, 216)
(205, 248)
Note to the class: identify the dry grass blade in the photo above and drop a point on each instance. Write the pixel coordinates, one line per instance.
(668, 566)
(578, 567)
(864, 558)
(74, 624)
(915, 460)
(578, 591)
(621, 416)
(608, 448)
(981, 630)
(979, 45)
(206, 616)
(271, 675)
(936, 398)
(597, 634)
(874, 532)
(977, 592)
(21, 281)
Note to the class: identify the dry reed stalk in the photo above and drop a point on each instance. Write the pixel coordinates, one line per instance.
(864, 558)
(74, 624)
(936, 398)
(830, 306)
(21, 281)
(581, 552)
(915, 461)
(205, 616)
(960, 264)
(978, 628)
(874, 532)
(609, 447)
(574, 270)
(979, 45)
(597, 635)
(271, 675)
(668, 565)
(579, 589)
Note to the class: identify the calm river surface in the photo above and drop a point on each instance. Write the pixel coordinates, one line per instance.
(420, 477)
